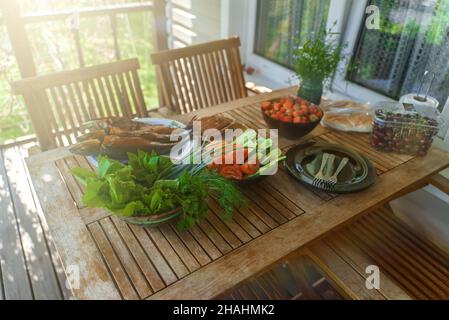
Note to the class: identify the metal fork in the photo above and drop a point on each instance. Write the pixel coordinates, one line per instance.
(329, 170)
(332, 181)
(319, 177)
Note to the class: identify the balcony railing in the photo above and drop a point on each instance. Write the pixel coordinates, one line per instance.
(28, 53)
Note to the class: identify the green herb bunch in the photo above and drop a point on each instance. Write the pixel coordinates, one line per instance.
(317, 59)
(150, 184)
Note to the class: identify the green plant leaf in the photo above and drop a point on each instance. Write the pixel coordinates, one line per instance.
(83, 175)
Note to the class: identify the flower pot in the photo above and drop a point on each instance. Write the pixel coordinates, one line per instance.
(311, 90)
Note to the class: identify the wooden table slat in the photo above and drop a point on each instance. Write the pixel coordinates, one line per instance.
(193, 246)
(183, 252)
(70, 181)
(246, 225)
(139, 255)
(215, 237)
(168, 252)
(118, 272)
(205, 242)
(131, 268)
(238, 231)
(155, 256)
(266, 206)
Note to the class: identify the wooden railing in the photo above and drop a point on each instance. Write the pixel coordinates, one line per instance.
(15, 23)
(74, 15)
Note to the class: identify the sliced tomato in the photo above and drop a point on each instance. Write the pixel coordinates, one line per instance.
(234, 149)
(250, 169)
(214, 166)
(231, 172)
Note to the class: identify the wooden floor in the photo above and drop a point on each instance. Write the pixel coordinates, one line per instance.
(29, 264)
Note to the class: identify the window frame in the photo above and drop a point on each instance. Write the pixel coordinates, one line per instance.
(351, 35)
(271, 72)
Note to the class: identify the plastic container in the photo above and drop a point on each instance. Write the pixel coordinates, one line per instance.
(405, 128)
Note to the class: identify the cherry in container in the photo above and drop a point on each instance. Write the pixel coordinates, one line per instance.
(404, 128)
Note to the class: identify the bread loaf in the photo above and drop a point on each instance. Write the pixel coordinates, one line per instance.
(348, 115)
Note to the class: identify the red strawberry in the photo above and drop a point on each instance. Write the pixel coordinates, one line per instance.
(266, 105)
(304, 109)
(287, 119)
(288, 104)
(313, 118)
(313, 109)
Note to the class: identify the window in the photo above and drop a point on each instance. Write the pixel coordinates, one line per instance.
(413, 37)
(280, 21)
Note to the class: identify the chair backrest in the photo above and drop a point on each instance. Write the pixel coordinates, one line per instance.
(200, 76)
(59, 103)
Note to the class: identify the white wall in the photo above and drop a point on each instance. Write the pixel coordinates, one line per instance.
(194, 21)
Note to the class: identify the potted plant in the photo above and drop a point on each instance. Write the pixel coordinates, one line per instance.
(315, 62)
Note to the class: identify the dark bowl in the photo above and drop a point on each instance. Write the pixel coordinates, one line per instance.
(291, 131)
(249, 180)
(154, 220)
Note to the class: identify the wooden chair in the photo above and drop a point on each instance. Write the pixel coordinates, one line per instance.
(200, 76)
(410, 267)
(297, 278)
(59, 103)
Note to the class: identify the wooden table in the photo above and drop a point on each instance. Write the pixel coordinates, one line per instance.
(116, 260)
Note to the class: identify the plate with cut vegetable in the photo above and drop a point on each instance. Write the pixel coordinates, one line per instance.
(246, 159)
(305, 161)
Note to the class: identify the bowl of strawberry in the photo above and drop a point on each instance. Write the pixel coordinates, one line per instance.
(292, 116)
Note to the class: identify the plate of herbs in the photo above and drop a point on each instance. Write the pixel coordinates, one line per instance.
(149, 189)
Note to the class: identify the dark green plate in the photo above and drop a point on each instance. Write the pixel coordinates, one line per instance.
(303, 162)
(153, 220)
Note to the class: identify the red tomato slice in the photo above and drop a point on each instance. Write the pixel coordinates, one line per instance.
(214, 166)
(250, 169)
(231, 172)
(234, 149)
